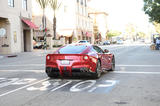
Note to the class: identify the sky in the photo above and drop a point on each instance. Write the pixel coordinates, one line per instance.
(122, 12)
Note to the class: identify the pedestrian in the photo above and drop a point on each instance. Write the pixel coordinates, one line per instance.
(157, 43)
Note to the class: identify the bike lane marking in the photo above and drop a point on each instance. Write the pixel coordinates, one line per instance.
(23, 87)
(94, 87)
(49, 85)
(74, 86)
(54, 85)
(61, 86)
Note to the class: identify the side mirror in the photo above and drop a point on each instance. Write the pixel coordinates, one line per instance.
(106, 51)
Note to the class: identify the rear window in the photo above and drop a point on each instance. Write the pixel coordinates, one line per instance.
(72, 49)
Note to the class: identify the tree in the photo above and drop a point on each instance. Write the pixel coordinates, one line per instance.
(43, 4)
(152, 8)
(55, 5)
(131, 31)
(112, 34)
(141, 34)
(157, 27)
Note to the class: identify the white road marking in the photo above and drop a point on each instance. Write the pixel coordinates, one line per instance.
(134, 72)
(121, 65)
(7, 82)
(22, 87)
(24, 81)
(91, 90)
(61, 86)
(22, 70)
(2, 79)
(76, 88)
(22, 65)
(109, 83)
(43, 88)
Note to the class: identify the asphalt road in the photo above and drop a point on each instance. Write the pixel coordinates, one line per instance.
(135, 82)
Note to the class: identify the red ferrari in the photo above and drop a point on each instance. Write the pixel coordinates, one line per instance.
(79, 59)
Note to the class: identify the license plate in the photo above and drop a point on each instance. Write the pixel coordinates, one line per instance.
(65, 62)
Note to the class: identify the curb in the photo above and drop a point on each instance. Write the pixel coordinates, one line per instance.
(11, 56)
(8, 56)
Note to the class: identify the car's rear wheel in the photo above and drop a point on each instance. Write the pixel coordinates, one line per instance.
(112, 64)
(97, 74)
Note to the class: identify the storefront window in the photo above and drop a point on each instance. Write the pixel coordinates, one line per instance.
(11, 3)
(24, 4)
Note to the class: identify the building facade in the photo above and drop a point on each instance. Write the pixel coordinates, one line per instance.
(72, 21)
(100, 24)
(84, 24)
(15, 26)
(100, 28)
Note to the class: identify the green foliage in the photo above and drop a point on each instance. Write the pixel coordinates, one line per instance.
(130, 29)
(157, 27)
(43, 3)
(75, 39)
(141, 34)
(152, 8)
(55, 5)
(113, 33)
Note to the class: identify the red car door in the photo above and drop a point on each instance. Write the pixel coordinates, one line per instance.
(106, 61)
(103, 56)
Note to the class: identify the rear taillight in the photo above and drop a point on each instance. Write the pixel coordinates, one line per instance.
(90, 58)
(48, 57)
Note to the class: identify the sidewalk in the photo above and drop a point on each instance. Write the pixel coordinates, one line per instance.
(8, 56)
(44, 51)
(1, 57)
(35, 51)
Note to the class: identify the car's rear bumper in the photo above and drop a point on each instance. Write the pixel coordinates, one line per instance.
(83, 71)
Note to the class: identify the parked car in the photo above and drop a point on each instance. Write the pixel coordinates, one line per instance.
(38, 45)
(147, 41)
(107, 42)
(119, 42)
(79, 59)
(83, 41)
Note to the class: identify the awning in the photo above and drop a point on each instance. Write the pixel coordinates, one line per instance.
(66, 33)
(29, 23)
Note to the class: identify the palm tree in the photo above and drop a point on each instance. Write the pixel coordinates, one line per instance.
(55, 5)
(43, 4)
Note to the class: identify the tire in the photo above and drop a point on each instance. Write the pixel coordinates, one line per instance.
(113, 64)
(50, 74)
(97, 74)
